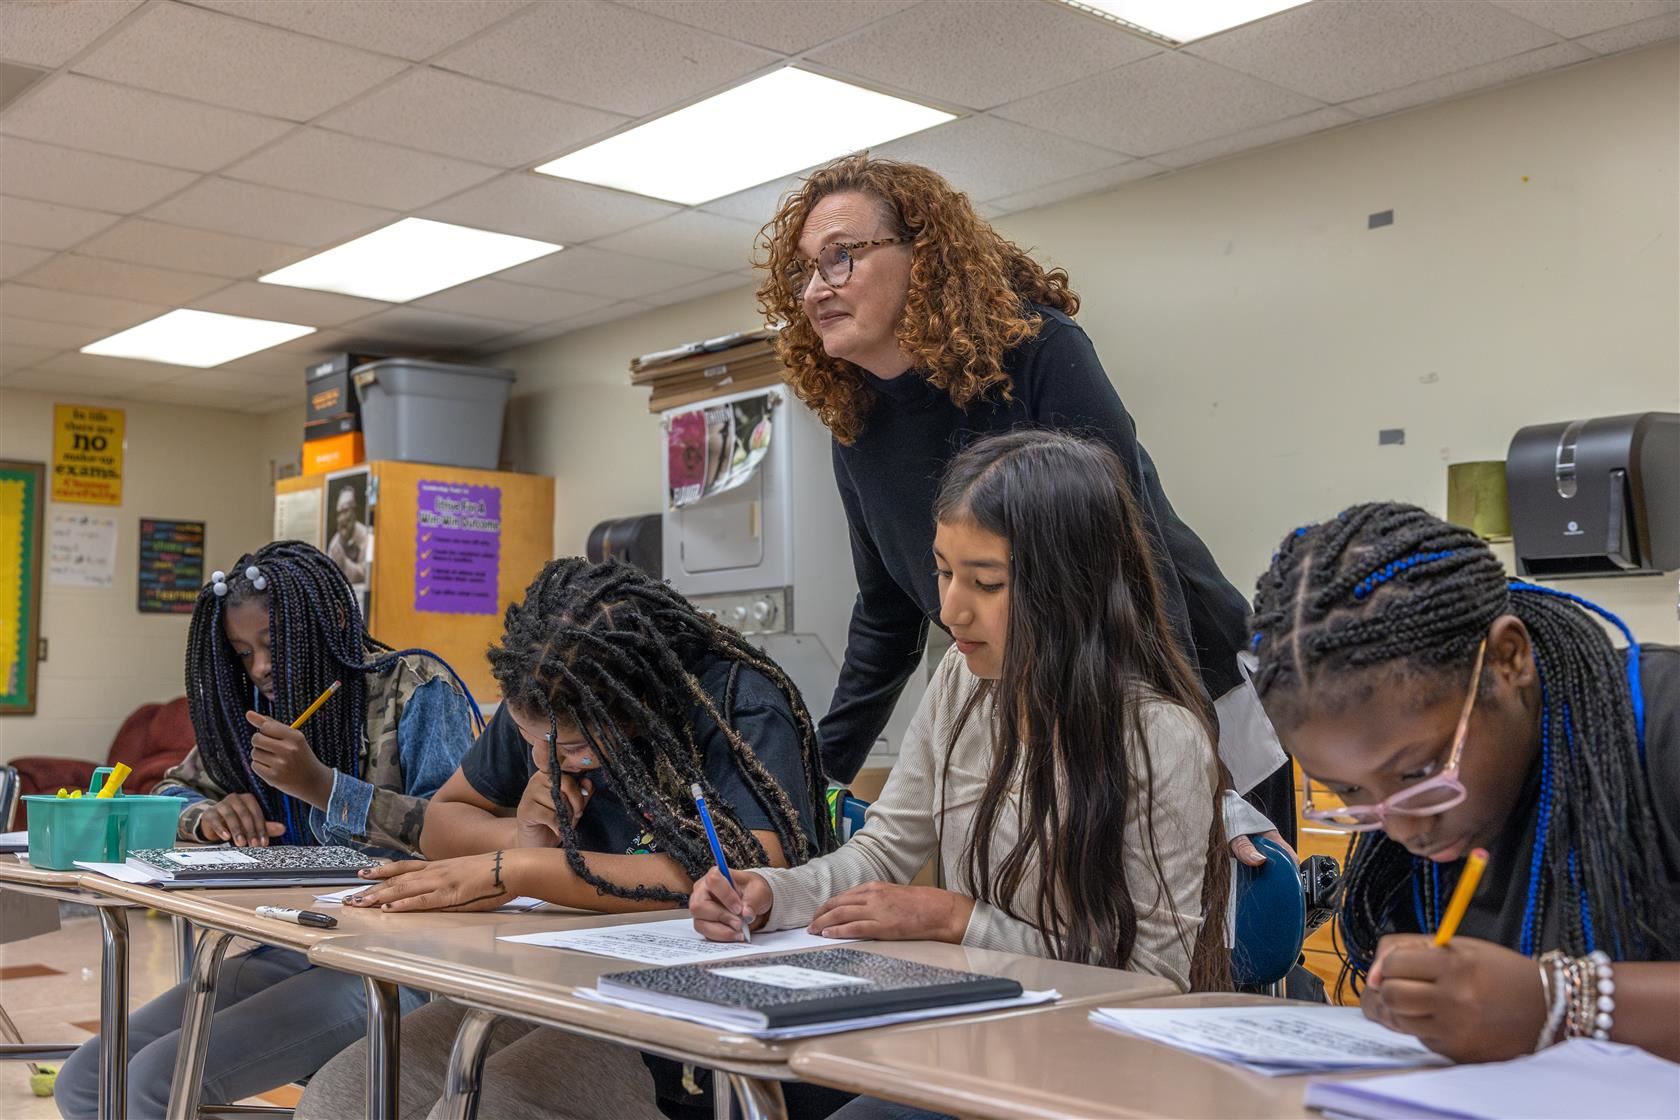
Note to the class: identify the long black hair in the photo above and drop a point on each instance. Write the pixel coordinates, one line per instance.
(1387, 591)
(1088, 641)
(614, 652)
(316, 636)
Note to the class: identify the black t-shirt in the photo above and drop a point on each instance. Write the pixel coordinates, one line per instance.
(499, 765)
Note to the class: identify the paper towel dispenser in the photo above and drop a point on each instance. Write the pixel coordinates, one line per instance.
(1596, 497)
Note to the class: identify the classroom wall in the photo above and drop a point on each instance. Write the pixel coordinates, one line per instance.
(1262, 335)
(105, 658)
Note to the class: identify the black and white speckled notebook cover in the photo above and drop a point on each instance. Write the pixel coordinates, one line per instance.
(278, 861)
(883, 985)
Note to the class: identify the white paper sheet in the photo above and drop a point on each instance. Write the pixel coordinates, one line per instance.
(672, 942)
(1275, 1040)
(14, 841)
(81, 549)
(513, 906)
(125, 872)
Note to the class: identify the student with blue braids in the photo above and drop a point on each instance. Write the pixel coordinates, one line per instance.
(266, 639)
(1450, 708)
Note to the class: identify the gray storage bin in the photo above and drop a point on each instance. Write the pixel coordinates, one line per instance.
(432, 412)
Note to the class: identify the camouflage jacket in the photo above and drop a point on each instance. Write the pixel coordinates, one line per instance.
(417, 727)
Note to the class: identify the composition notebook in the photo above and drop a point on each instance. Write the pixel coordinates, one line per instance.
(326, 863)
(818, 986)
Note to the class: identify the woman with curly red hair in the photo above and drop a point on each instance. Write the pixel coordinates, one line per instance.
(913, 328)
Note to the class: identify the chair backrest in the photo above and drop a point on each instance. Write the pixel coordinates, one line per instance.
(1271, 917)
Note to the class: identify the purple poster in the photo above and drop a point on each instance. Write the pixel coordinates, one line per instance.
(457, 548)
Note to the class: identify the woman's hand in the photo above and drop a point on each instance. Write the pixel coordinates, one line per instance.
(537, 825)
(467, 883)
(891, 912)
(1249, 853)
(238, 818)
(719, 909)
(1471, 1000)
(281, 756)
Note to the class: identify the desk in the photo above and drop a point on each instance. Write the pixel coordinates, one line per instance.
(1053, 1065)
(540, 985)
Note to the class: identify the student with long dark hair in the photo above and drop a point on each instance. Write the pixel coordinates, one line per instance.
(1449, 708)
(1062, 761)
(266, 639)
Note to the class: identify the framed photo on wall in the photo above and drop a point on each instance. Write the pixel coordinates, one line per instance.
(22, 505)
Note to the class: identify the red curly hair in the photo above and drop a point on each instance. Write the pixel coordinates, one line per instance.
(967, 304)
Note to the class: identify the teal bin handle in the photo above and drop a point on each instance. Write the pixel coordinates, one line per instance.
(97, 782)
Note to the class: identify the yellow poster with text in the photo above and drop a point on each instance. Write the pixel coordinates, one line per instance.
(87, 454)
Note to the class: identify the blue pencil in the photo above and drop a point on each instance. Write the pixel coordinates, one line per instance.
(717, 848)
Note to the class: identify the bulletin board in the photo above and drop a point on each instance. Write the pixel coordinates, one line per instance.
(22, 501)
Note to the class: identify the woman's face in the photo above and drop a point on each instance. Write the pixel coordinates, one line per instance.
(973, 566)
(1400, 732)
(577, 754)
(246, 629)
(857, 321)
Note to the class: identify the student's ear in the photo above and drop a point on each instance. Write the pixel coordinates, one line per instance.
(1510, 653)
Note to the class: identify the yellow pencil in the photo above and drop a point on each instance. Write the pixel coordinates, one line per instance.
(315, 707)
(1461, 895)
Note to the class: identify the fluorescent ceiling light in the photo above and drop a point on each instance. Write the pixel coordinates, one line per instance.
(196, 338)
(1183, 21)
(409, 259)
(772, 126)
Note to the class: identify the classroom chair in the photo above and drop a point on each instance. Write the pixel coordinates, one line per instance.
(154, 738)
(1271, 923)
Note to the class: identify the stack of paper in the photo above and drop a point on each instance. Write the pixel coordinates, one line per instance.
(1576, 1080)
(675, 941)
(512, 906)
(1275, 1040)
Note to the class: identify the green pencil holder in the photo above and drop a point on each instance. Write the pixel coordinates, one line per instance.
(63, 830)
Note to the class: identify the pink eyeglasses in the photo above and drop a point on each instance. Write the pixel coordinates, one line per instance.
(1430, 796)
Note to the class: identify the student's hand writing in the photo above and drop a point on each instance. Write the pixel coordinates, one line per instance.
(238, 818)
(1472, 1000)
(893, 912)
(537, 825)
(282, 757)
(1247, 852)
(466, 883)
(719, 909)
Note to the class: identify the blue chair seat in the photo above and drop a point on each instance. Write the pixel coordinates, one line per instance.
(1271, 918)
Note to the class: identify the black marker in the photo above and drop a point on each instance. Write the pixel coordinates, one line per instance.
(298, 917)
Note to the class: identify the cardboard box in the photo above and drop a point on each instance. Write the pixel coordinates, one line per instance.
(335, 453)
(329, 392)
(332, 426)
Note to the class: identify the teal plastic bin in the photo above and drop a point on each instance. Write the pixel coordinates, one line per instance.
(63, 830)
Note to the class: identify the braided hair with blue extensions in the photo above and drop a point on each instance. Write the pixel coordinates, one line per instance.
(1386, 593)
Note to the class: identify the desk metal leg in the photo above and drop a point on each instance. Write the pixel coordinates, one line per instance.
(760, 1099)
(384, 1035)
(113, 1012)
(183, 947)
(465, 1076)
(723, 1098)
(187, 1088)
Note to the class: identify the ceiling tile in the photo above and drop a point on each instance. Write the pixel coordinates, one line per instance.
(1572, 18)
(321, 342)
(117, 369)
(72, 178)
(193, 53)
(223, 397)
(283, 368)
(24, 302)
(608, 274)
(1316, 121)
(456, 116)
(45, 226)
(19, 258)
(22, 357)
(1078, 185)
(981, 55)
(582, 51)
(987, 157)
(413, 29)
(547, 208)
(687, 292)
(48, 336)
(79, 112)
(67, 384)
(289, 305)
(1166, 101)
(139, 241)
(219, 384)
(69, 272)
(775, 24)
(693, 238)
(249, 210)
(1477, 77)
(755, 204)
(1634, 35)
(51, 32)
(428, 328)
(521, 303)
(1337, 52)
(314, 161)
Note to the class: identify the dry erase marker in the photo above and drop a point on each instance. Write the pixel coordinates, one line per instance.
(1461, 895)
(717, 848)
(298, 917)
(315, 707)
(113, 781)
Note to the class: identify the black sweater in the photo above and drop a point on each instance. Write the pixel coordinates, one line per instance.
(887, 480)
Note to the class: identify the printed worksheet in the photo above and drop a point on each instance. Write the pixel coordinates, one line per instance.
(669, 942)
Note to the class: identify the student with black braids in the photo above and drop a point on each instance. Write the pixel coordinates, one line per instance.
(618, 695)
(265, 640)
(1451, 708)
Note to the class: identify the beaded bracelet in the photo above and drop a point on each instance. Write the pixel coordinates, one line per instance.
(1602, 1011)
(1555, 992)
